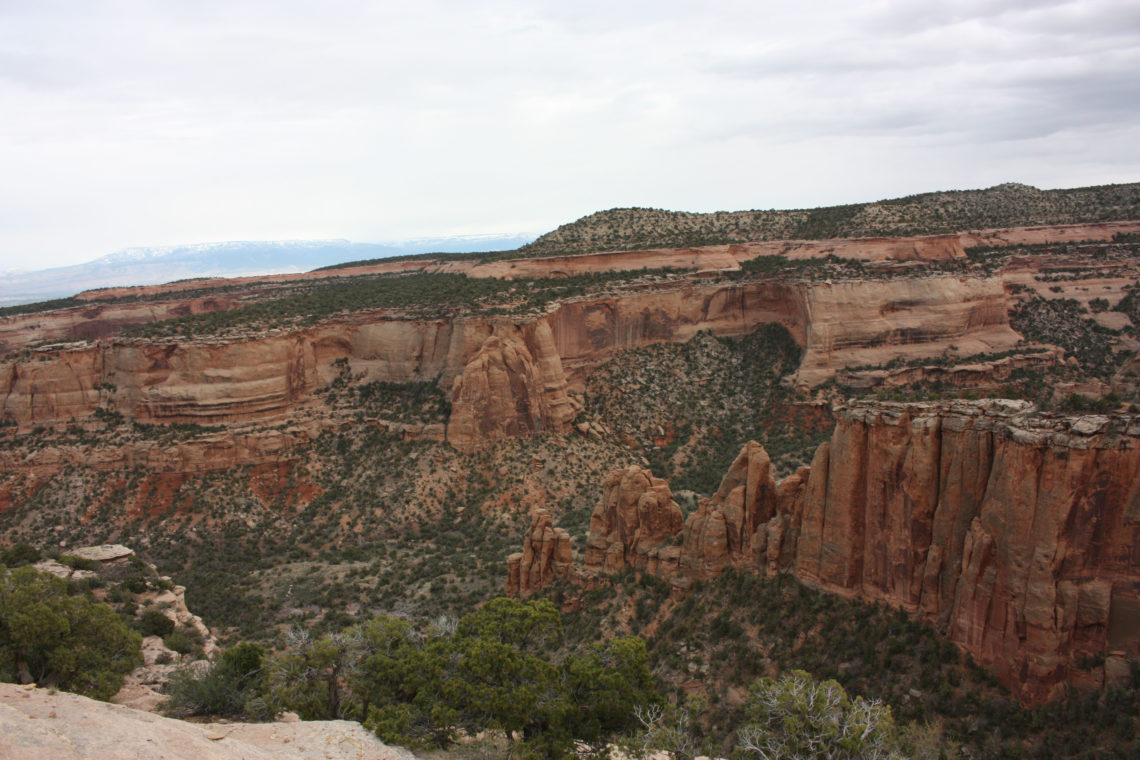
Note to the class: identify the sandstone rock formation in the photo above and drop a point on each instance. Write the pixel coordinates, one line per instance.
(871, 322)
(634, 517)
(976, 375)
(1013, 533)
(507, 376)
(588, 331)
(720, 533)
(97, 320)
(39, 723)
(547, 554)
(513, 387)
(632, 526)
(918, 248)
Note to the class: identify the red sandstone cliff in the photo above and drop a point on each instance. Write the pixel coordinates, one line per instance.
(1015, 534)
(857, 323)
(523, 376)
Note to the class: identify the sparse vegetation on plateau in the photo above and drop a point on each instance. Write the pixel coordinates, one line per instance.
(929, 213)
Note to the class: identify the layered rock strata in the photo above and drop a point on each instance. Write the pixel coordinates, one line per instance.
(632, 523)
(1015, 534)
(97, 321)
(857, 323)
(977, 375)
(506, 377)
(547, 554)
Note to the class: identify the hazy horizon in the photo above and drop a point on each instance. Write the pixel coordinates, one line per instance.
(143, 124)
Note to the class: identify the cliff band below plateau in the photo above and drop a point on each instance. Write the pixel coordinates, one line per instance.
(505, 376)
(1015, 534)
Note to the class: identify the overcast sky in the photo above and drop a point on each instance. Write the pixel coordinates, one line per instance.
(150, 123)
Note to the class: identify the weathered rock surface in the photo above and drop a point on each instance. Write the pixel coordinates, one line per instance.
(1047, 233)
(720, 533)
(976, 375)
(1016, 534)
(37, 723)
(845, 323)
(507, 376)
(547, 554)
(513, 387)
(97, 321)
(586, 332)
(635, 517)
(918, 248)
(871, 322)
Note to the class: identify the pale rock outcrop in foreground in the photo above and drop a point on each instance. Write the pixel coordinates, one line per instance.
(36, 724)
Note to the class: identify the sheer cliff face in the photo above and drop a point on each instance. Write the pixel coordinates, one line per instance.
(588, 332)
(1017, 535)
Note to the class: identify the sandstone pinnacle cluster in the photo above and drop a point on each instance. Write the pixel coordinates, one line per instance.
(1014, 533)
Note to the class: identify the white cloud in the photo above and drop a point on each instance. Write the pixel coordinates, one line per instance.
(139, 123)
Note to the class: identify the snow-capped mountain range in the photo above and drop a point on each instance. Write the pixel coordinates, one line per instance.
(153, 265)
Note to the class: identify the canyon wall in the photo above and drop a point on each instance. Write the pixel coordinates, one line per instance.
(506, 376)
(1015, 534)
(519, 376)
(588, 331)
(854, 323)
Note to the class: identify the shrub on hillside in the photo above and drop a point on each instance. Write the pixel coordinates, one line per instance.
(50, 637)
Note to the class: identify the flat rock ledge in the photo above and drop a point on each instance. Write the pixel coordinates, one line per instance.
(36, 724)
